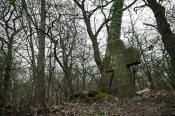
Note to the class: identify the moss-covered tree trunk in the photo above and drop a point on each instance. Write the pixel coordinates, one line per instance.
(123, 86)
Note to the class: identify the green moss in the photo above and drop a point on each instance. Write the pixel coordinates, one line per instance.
(116, 19)
(86, 97)
(100, 96)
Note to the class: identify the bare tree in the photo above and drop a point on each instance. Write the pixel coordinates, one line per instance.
(39, 90)
(9, 31)
(168, 37)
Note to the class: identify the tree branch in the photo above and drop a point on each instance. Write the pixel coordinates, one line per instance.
(151, 25)
(101, 26)
(130, 5)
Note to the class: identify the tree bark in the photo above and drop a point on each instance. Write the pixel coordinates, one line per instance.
(168, 37)
(39, 89)
(8, 66)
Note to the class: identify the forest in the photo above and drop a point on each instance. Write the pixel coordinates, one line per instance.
(87, 58)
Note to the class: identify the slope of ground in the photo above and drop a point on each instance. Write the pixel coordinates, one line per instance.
(150, 103)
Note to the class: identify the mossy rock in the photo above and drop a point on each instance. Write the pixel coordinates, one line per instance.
(86, 96)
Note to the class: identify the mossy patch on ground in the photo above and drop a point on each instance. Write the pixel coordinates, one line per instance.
(86, 96)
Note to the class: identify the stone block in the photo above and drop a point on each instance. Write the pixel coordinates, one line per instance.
(106, 83)
(106, 63)
(132, 56)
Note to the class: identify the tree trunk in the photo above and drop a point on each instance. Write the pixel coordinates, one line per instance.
(1, 72)
(39, 90)
(7, 76)
(83, 73)
(33, 63)
(168, 37)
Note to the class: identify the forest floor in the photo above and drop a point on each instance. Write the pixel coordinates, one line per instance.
(154, 103)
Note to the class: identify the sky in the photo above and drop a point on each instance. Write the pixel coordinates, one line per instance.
(173, 2)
